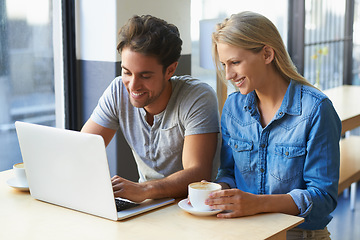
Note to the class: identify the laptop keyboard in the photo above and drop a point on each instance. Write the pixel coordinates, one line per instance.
(122, 204)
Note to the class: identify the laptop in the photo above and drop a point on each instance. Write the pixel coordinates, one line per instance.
(70, 169)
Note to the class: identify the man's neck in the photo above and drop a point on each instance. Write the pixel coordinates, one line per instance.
(158, 106)
(149, 119)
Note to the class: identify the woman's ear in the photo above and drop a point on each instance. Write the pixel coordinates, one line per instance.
(269, 54)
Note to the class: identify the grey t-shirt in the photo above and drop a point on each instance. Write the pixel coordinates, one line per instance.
(192, 109)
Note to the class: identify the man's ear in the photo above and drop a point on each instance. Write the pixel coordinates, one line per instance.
(171, 70)
(269, 54)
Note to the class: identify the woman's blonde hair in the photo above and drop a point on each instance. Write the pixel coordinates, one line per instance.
(252, 31)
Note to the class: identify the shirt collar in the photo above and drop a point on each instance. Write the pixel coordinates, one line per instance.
(291, 103)
(292, 100)
(157, 118)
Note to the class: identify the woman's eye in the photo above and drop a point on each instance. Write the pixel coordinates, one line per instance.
(235, 62)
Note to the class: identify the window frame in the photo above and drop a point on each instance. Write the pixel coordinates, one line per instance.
(72, 86)
(296, 37)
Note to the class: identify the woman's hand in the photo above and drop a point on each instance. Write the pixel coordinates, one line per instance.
(236, 202)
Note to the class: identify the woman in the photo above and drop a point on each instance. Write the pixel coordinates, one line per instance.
(280, 135)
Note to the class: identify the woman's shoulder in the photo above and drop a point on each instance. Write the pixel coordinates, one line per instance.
(312, 92)
(313, 98)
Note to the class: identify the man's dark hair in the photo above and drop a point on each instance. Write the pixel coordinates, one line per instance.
(151, 36)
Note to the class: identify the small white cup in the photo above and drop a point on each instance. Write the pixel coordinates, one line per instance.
(199, 192)
(19, 171)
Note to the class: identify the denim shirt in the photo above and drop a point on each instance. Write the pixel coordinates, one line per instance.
(297, 153)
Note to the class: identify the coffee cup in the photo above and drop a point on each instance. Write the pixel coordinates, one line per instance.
(20, 175)
(199, 192)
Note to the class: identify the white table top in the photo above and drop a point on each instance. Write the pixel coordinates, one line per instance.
(23, 217)
(346, 101)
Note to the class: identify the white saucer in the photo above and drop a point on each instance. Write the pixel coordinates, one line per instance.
(183, 204)
(13, 182)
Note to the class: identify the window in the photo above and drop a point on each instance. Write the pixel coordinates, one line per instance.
(206, 13)
(26, 71)
(324, 42)
(356, 45)
(324, 39)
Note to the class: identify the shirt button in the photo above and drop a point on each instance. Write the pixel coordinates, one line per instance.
(249, 107)
(262, 170)
(236, 146)
(287, 153)
(262, 145)
(280, 113)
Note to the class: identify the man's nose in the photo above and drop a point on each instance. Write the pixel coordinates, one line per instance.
(134, 83)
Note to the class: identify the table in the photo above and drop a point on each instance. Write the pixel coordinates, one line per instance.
(349, 163)
(22, 217)
(346, 101)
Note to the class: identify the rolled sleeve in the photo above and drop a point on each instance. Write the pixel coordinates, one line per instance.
(106, 112)
(303, 201)
(228, 180)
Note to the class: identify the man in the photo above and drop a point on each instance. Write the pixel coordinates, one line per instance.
(171, 123)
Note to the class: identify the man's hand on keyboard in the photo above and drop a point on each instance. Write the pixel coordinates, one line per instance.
(127, 189)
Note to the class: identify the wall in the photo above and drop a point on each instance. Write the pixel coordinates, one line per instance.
(98, 63)
(97, 24)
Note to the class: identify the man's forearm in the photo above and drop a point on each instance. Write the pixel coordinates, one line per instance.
(174, 185)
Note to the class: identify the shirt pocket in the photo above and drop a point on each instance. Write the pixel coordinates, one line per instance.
(171, 141)
(241, 152)
(288, 162)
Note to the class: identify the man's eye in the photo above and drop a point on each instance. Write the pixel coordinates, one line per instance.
(146, 76)
(235, 62)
